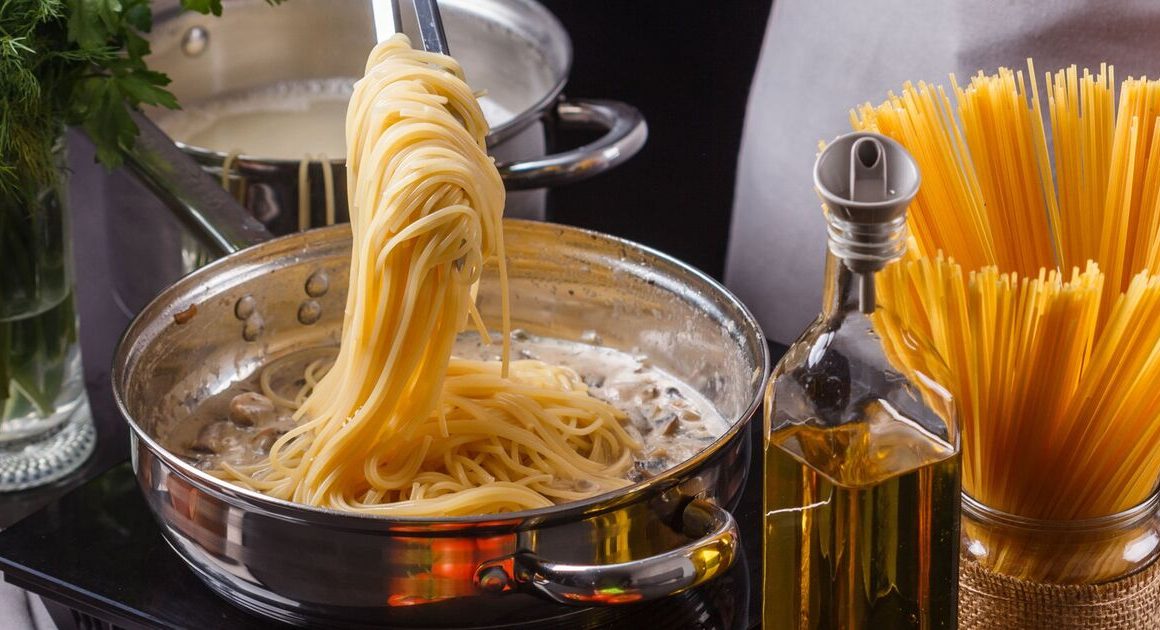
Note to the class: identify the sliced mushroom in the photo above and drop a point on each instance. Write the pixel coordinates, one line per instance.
(560, 484)
(651, 466)
(211, 439)
(621, 390)
(639, 421)
(251, 408)
(263, 440)
(593, 380)
(587, 486)
(690, 415)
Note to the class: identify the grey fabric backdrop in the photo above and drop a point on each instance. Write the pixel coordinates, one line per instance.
(822, 57)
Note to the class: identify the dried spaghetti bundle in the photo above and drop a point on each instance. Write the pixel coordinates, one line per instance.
(1033, 275)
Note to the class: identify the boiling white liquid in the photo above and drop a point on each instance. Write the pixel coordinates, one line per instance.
(284, 121)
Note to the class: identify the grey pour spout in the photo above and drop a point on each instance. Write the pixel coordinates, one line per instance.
(866, 181)
(214, 217)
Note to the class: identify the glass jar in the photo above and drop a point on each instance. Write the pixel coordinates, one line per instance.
(46, 428)
(1087, 551)
(1029, 573)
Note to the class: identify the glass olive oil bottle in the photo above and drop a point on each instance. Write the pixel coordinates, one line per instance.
(861, 454)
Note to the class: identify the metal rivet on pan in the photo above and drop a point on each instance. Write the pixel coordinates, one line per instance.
(493, 579)
(317, 284)
(195, 41)
(309, 312)
(245, 307)
(253, 327)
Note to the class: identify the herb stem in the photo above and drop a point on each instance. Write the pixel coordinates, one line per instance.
(20, 257)
(5, 345)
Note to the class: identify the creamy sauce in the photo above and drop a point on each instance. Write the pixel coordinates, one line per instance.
(286, 120)
(671, 419)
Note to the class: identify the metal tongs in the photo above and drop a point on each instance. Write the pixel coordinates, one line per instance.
(389, 20)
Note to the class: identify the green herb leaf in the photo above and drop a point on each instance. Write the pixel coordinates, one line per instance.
(136, 46)
(145, 87)
(203, 6)
(107, 119)
(138, 15)
(93, 22)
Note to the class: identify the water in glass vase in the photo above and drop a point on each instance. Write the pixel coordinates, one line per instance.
(41, 381)
(46, 428)
(846, 546)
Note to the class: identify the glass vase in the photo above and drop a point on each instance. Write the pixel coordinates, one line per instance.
(46, 428)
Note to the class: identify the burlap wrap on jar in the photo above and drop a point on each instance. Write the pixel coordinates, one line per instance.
(989, 601)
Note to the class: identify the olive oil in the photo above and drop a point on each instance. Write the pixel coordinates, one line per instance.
(862, 495)
(860, 544)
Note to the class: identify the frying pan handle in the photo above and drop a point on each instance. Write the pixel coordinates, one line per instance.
(194, 197)
(625, 134)
(708, 556)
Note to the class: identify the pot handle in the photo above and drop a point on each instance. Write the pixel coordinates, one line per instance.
(213, 216)
(706, 557)
(625, 134)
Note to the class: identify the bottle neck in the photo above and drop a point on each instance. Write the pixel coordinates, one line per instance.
(840, 291)
(856, 252)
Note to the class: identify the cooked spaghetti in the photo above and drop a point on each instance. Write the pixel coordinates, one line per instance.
(397, 426)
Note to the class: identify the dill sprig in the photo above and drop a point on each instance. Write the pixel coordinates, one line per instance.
(73, 62)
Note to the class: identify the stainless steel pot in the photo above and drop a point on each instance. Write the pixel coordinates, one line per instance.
(515, 49)
(307, 565)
